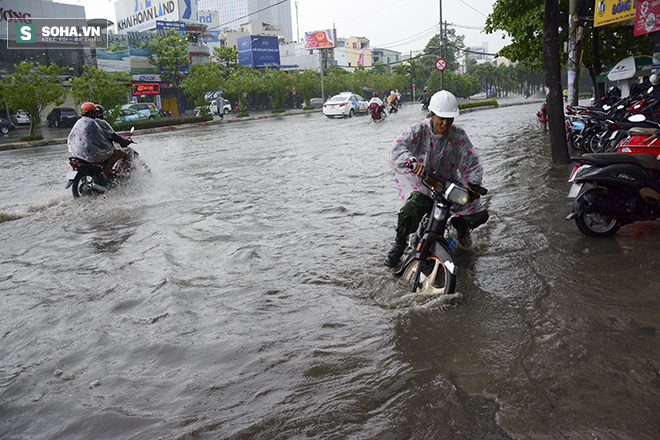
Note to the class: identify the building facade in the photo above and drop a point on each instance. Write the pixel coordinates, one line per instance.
(232, 13)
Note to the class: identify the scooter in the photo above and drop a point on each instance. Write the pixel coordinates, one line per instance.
(85, 179)
(641, 139)
(613, 190)
(429, 265)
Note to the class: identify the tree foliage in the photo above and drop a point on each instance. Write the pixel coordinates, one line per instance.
(31, 88)
(241, 83)
(278, 85)
(101, 87)
(203, 79)
(171, 51)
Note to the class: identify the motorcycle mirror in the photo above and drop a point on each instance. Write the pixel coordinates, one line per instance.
(620, 107)
(606, 107)
(132, 130)
(637, 118)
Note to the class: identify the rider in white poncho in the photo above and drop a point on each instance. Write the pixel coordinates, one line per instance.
(445, 150)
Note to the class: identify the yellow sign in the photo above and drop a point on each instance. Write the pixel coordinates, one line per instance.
(613, 11)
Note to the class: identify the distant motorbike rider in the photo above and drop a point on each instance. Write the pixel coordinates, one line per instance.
(89, 141)
(425, 98)
(445, 150)
(392, 101)
(376, 108)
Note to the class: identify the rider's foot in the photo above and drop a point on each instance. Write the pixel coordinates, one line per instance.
(463, 231)
(394, 255)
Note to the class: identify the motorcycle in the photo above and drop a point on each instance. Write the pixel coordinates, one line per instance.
(429, 265)
(641, 139)
(85, 179)
(613, 190)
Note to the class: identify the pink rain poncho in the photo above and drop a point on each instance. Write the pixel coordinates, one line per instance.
(451, 157)
(89, 141)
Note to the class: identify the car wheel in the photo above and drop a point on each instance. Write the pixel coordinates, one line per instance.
(4, 129)
(351, 113)
(152, 117)
(226, 111)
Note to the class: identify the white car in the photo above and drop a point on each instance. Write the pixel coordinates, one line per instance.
(226, 108)
(22, 118)
(346, 104)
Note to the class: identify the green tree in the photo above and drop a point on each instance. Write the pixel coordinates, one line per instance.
(227, 56)
(307, 83)
(171, 51)
(203, 79)
(277, 83)
(31, 88)
(100, 87)
(241, 83)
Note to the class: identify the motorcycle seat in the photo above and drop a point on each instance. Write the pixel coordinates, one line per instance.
(642, 130)
(645, 160)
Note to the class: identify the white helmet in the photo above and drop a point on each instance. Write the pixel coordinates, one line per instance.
(654, 79)
(444, 104)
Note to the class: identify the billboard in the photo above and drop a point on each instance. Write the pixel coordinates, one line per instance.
(141, 15)
(613, 11)
(258, 51)
(647, 17)
(319, 39)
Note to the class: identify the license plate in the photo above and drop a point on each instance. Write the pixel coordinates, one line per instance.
(575, 190)
(72, 174)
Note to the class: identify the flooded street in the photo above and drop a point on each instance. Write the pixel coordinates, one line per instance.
(240, 293)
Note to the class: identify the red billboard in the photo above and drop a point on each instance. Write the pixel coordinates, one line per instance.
(319, 39)
(146, 89)
(647, 17)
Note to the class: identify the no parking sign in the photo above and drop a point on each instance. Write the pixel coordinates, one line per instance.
(441, 64)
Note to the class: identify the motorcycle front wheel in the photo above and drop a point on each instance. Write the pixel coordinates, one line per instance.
(593, 224)
(435, 279)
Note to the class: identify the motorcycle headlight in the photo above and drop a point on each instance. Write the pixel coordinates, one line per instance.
(456, 194)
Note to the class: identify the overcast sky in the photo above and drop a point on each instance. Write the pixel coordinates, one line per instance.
(401, 25)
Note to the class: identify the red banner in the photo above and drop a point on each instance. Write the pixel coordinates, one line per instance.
(647, 17)
(319, 39)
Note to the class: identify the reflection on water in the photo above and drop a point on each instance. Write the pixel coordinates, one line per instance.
(240, 293)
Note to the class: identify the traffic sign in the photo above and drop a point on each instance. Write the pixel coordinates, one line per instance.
(441, 64)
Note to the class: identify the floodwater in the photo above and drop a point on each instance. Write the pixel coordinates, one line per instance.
(239, 293)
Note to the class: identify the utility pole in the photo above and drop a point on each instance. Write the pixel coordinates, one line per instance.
(442, 44)
(574, 37)
(297, 24)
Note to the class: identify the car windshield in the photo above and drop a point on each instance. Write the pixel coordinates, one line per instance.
(338, 98)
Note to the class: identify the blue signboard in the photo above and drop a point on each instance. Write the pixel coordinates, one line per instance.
(163, 26)
(258, 51)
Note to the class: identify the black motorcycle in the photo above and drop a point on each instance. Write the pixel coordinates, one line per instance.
(85, 179)
(429, 265)
(612, 190)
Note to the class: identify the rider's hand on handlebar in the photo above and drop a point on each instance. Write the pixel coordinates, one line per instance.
(418, 169)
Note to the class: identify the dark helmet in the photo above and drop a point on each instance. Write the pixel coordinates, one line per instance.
(375, 95)
(100, 111)
(614, 91)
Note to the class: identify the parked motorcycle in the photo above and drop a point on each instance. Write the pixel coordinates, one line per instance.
(85, 179)
(613, 190)
(429, 265)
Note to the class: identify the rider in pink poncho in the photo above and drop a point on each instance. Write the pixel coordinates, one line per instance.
(446, 151)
